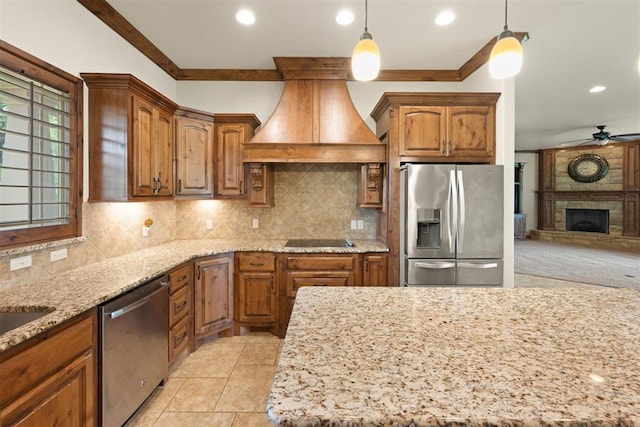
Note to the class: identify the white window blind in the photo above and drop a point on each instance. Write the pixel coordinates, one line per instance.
(35, 153)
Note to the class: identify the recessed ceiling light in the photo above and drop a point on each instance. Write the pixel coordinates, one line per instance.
(344, 17)
(245, 17)
(597, 89)
(445, 17)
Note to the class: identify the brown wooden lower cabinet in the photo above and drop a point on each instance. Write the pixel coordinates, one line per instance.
(374, 269)
(51, 379)
(297, 270)
(213, 297)
(180, 294)
(256, 291)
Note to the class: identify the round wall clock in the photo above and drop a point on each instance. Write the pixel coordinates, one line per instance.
(588, 168)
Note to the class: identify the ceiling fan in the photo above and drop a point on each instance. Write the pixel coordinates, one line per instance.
(602, 137)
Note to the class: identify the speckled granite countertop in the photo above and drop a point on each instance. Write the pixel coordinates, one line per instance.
(472, 356)
(78, 290)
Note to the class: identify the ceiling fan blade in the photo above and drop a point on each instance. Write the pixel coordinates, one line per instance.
(577, 142)
(626, 137)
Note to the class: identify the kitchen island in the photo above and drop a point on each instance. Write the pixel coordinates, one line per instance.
(459, 356)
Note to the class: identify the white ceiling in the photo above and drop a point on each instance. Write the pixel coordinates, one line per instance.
(574, 45)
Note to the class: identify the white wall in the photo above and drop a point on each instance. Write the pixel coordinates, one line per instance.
(505, 146)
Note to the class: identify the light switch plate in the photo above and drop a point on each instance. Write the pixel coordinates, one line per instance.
(255, 223)
(354, 224)
(360, 224)
(209, 224)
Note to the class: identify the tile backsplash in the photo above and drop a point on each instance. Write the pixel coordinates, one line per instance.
(311, 200)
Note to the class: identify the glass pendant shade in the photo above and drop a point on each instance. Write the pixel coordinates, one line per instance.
(505, 59)
(365, 61)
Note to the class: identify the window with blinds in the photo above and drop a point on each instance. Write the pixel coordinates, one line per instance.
(39, 175)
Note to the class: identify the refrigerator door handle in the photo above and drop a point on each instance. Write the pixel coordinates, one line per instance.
(435, 265)
(461, 216)
(452, 202)
(478, 266)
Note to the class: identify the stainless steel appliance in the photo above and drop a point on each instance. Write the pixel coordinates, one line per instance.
(453, 219)
(133, 349)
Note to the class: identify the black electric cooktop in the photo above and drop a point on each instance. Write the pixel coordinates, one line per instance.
(319, 243)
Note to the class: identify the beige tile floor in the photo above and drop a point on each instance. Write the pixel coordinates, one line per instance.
(226, 382)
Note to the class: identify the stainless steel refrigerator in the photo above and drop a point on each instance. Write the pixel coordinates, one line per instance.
(452, 217)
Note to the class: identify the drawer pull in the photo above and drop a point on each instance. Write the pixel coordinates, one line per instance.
(182, 279)
(256, 264)
(178, 340)
(320, 284)
(178, 307)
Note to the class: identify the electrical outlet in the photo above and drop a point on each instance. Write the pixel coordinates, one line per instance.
(209, 224)
(21, 262)
(255, 223)
(354, 224)
(360, 224)
(58, 255)
(145, 231)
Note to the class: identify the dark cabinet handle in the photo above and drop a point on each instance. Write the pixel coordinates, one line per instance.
(256, 264)
(178, 340)
(178, 307)
(180, 186)
(320, 284)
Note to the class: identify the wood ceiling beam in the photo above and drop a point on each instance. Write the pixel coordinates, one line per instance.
(107, 14)
(124, 28)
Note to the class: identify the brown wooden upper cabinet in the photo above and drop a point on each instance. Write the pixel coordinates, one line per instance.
(194, 153)
(231, 132)
(130, 139)
(452, 131)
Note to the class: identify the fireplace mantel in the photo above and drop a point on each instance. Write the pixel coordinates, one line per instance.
(622, 186)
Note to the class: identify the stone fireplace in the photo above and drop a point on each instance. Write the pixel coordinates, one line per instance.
(587, 220)
(605, 212)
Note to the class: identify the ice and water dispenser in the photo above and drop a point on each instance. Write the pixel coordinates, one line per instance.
(428, 228)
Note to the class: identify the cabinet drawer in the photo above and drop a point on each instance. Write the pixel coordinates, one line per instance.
(178, 305)
(296, 280)
(256, 261)
(328, 262)
(180, 277)
(178, 339)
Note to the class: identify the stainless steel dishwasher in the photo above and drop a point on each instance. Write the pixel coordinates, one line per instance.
(133, 349)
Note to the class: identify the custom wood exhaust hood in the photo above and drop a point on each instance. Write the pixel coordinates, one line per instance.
(315, 120)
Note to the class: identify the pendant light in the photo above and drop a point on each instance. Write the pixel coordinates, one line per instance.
(506, 56)
(365, 61)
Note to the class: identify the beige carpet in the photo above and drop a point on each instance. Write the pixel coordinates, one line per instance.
(578, 263)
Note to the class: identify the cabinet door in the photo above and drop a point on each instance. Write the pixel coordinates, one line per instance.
(143, 169)
(256, 297)
(471, 131)
(194, 157)
(213, 302)
(375, 270)
(66, 398)
(163, 152)
(230, 173)
(422, 131)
